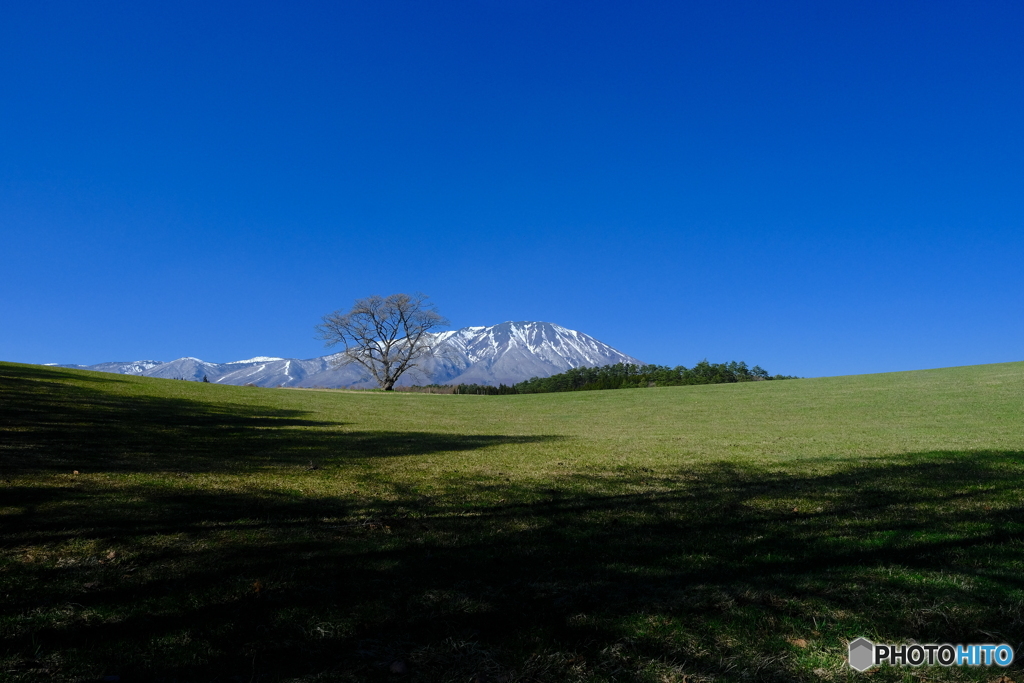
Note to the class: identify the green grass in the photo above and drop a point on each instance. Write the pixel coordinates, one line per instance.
(727, 532)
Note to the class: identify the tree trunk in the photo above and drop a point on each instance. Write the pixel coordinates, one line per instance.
(388, 385)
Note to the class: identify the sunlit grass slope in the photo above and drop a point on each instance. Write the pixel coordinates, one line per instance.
(727, 532)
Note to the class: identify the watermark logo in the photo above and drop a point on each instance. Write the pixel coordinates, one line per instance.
(864, 654)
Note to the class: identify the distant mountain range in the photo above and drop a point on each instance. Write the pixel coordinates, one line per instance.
(500, 354)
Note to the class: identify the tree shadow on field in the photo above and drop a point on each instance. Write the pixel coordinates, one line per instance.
(716, 572)
(50, 425)
(709, 575)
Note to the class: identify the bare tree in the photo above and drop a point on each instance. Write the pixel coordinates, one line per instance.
(386, 335)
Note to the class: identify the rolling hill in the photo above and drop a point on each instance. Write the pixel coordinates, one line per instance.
(158, 530)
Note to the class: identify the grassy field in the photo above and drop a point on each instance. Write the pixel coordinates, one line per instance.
(159, 530)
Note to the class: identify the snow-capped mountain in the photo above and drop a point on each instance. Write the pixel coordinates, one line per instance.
(135, 367)
(515, 351)
(507, 353)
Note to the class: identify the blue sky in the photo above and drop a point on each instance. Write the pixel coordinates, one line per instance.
(819, 188)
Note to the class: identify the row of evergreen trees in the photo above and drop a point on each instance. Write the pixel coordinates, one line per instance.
(628, 376)
(485, 390)
(618, 376)
(481, 389)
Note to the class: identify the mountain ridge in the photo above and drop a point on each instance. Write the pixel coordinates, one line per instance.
(505, 353)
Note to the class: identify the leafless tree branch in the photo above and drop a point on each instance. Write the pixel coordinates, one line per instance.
(385, 335)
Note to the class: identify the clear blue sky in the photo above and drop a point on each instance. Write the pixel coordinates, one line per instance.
(820, 188)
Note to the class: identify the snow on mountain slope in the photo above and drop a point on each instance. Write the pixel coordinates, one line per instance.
(515, 351)
(183, 368)
(135, 367)
(500, 354)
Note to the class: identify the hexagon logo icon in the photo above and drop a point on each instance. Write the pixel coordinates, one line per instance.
(862, 654)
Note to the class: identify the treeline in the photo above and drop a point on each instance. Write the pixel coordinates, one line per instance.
(479, 389)
(628, 376)
(618, 376)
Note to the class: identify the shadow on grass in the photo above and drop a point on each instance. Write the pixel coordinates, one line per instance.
(627, 575)
(707, 576)
(51, 425)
